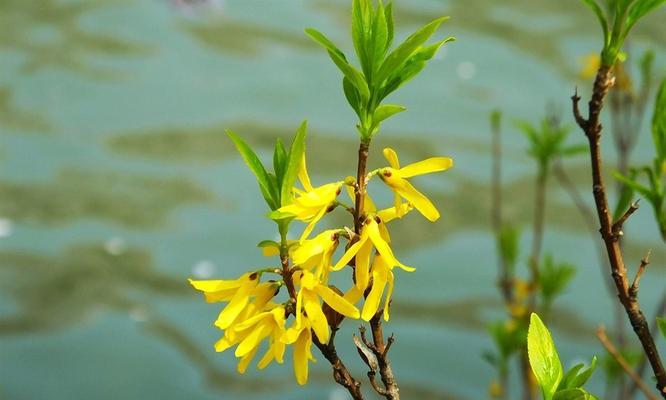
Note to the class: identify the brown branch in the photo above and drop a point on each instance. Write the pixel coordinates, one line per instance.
(642, 364)
(633, 289)
(612, 350)
(378, 346)
(592, 128)
(340, 372)
(617, 225)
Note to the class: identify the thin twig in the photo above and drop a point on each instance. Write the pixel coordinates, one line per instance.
(592, 128)
(612, 350)
(633, 289)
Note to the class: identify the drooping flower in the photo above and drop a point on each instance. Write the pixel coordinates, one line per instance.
(370, 238)
(315, 254)
(382, 275)
(307, 300)
(300, 335)
(249, 334)
(312, 203)
(396, 179)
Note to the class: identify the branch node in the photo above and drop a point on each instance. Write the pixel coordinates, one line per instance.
(582, 122)
(617, 225)
(633, 290)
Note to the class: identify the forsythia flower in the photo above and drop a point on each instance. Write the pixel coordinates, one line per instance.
(247, 323)
(308, 300)
(396, 179)
(311, 204)
(301, 337)
(370, 237)
(317, 253)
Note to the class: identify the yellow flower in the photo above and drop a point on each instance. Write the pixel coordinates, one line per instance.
(300, 335)
(317, 253)
(370, 237)
(308, 300)
(396, 179)
(382, 274)
(238, 293)
(311, 204)
(249, 334)
(386, 215)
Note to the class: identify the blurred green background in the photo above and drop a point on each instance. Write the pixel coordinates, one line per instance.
(117, 183)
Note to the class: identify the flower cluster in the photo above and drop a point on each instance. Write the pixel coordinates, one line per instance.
(311, 306)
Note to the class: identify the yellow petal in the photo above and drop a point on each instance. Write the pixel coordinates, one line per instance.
(353, 295)
(223, 344)
(380, 244)
(303, 175)
(321, 243)
(251, 342)
(246, 360)
(397, 202)
(217, 285)
(301, 356)
(310, 227)
(422, 203)
(316, 316)
(278, 351)
(426, 166)
(372, 301)
(349, 254)
(362, 266)
(267, 358)
(392, 157)
(237, 303)
(337, 302)
(250, 322)
(389, 293)
(389, 214)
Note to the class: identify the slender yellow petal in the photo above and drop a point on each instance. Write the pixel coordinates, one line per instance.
(392, 157)
(321, 243)
(397, 201)
(246, 360)
(426, 166)
(349, 254)
(252, 321)
(223, 344)
(299, 308)
(217, 285)
(389, 214)
(267, 358)
(301, 356)
(362, 265)
(278, 350)
(353, 295)
(237, 303)
(316, 316)
(251, 342)
(389, 293)
(422, 203)
(310, 227)
(380, 244)
(337, 302)
(303, 175)
(379, 277)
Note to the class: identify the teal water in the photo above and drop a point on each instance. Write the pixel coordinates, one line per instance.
(117, 183)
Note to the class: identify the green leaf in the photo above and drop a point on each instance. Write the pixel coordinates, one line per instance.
(352, 96)
(638, 10)
(643, 190)
(378, 40)
(279, 161)
(400, 55)
(543, 357)
(268, 243)
(388, 13)
(354, 76)
(554, 278)
(361, 21)
(594, 6)
(294, 164)
(661, 322)
(257, 169)
(386, 111)
(411, 68)
(576, 377)
(573, 394)
(659, 122)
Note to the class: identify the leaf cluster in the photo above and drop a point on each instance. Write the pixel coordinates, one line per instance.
(547, 142)
(553, 279)
(616, 20)
(382, 70)
(276, 186)
(555, 384)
